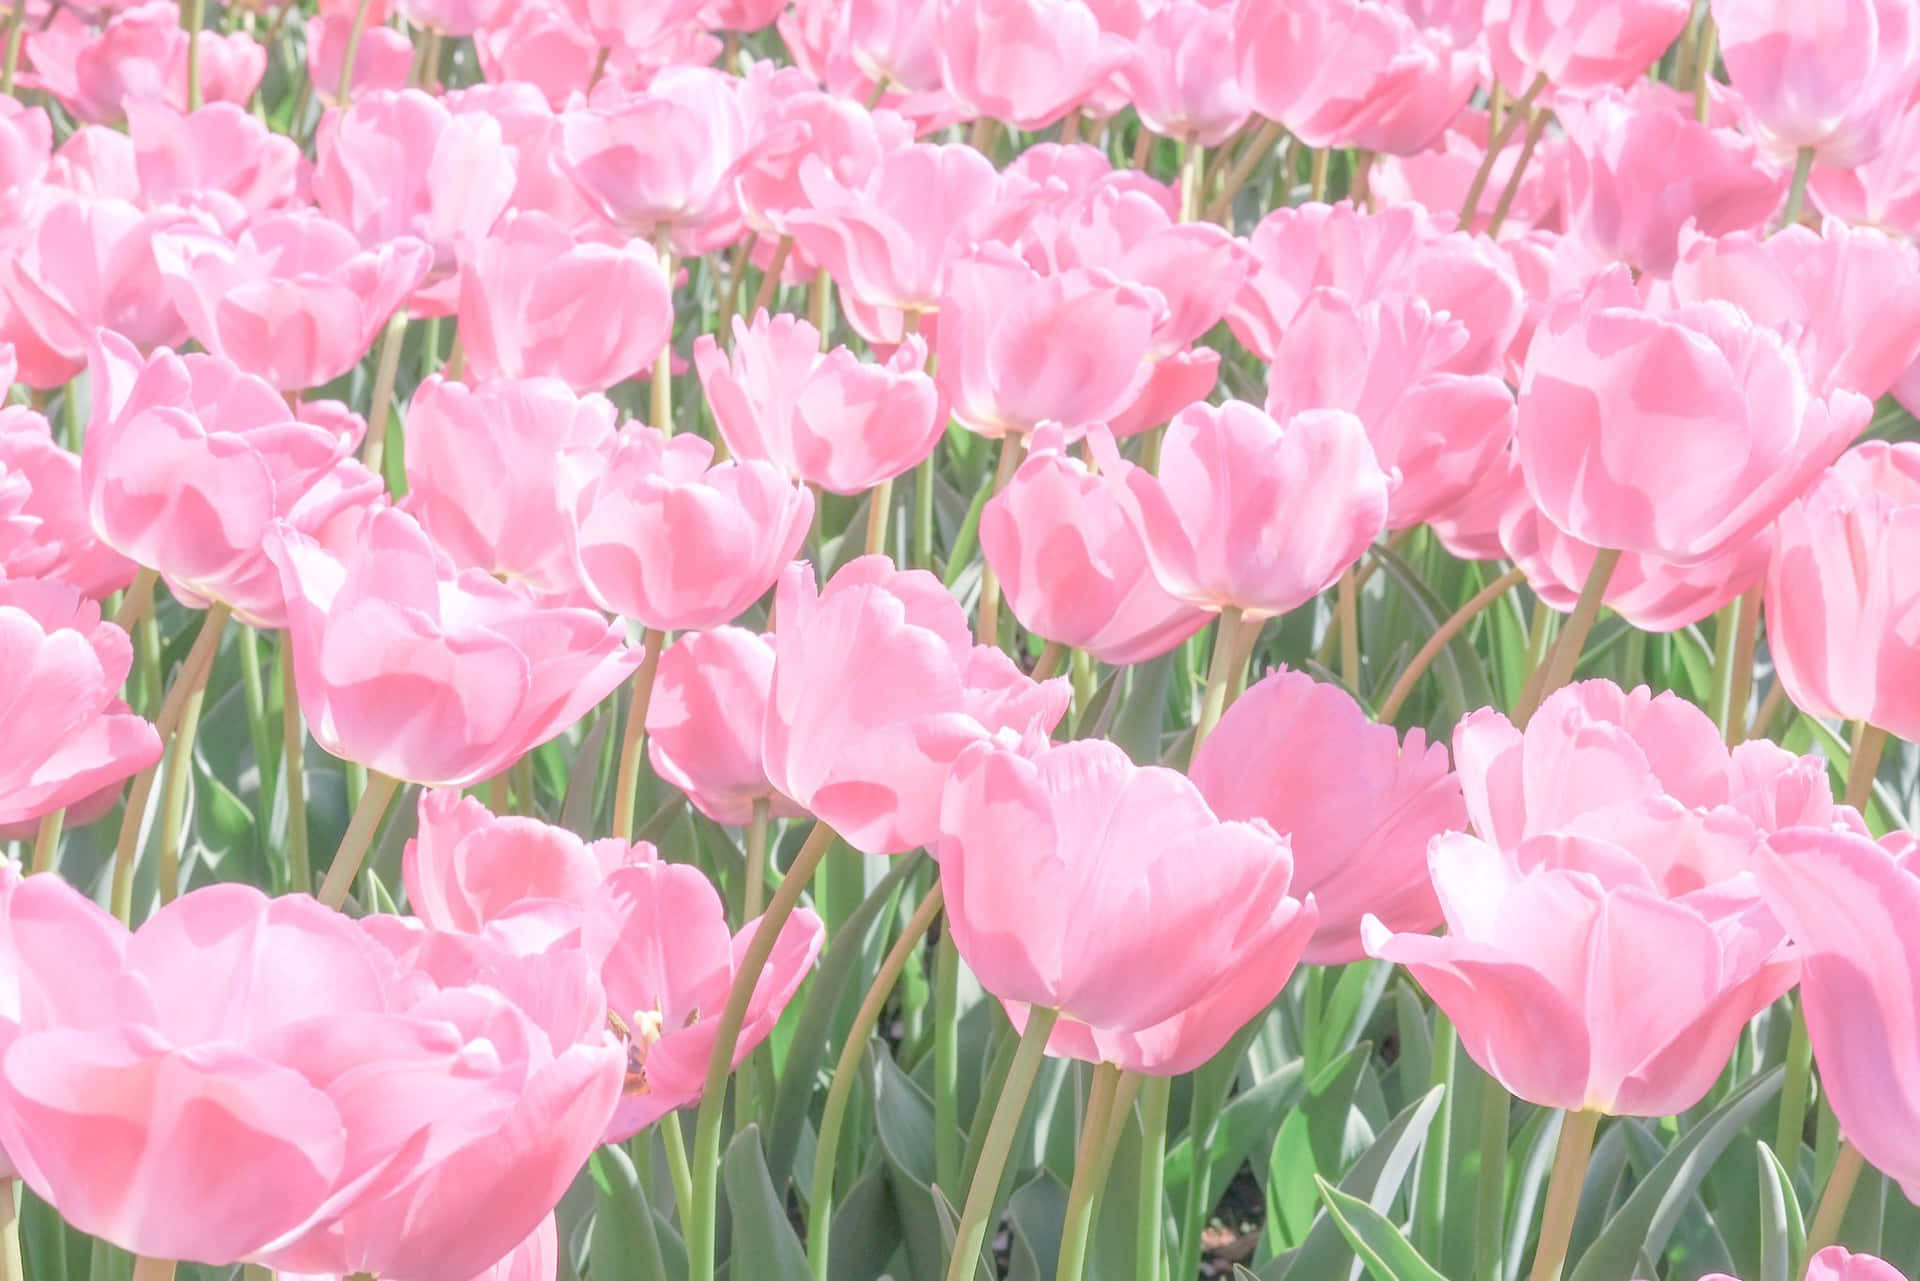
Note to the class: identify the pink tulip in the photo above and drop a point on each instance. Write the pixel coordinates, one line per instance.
(740, 15)
(1840, 590)
(1018, 348)
(1025, 62)
(1361, 73)
(1393, 364)
(1070, 885)
(1848, 297)
(188, 461)
(430, 675)
(530, 134)
(657, 933)
(541, 46)
(141, 52)
(1833, 77)
(26, 148)
(451, 17)
(829, 420)
(457, 176)
(1846, 903)
(97, 162)
(1883, 191)
(630, 26)
(218, 159)
(87, 264)
(1254, 514)
(44, 530)
(793, 122)
(493, 474)
(670, 540)
(1072, 566)
(1580, 44)
(295, 300)
(1637, 173)
(877, 687)
(64, 680)
(1438, 177)
(1182, 76)
(1358, 806)
(863, 49)
(383, 60)
(527, 290)
(704, 721)
(468, 869)
(1673, 435)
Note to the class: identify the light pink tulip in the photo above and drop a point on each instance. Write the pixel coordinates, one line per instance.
(26, 149)
(740, 15)
(383, 61)
(1438, 177)
(295, 300)
(860, 49)
(141, 52)
(631, 26)
(670, 540)
(90, 263)
(218, 159)
(1846, 903)
(877, 687)
(1072, 566)
(1182, 75)
(1071, 885)
(430, 675)
(1841, 591)
(493, 474)
(530, 134)
(1357, 805)
(64, 679)
(1847, 297)
(1255, 514)
(704, 722)
(1675, 434)
(542, 46)
(830, 420)
(527, 294)
(1579, 44)
(44, 530)
(1393, 363)
(657, 933)
(97, 161)
(1833, 77)
(1883, 191)
(1025, 62)
(188, 461)
(793, 122)
(451, 17)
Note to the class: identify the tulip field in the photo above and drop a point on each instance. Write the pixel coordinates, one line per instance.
(945, 640)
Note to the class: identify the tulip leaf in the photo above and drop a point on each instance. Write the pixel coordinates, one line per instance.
(626, 1238)
(764, 1245)
(903, 1120)
(1388, 1256)
(1037, 1211)
(867, 1231)
(1783, 1232)
(1459, 671)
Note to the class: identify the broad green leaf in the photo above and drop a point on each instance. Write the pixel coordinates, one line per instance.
(1037, 1210)
(1388, 1256)
(1783, 1232)
(626, 1238)
(764, 1244)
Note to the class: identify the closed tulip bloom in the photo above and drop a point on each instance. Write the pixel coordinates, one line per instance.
(1077, 881)
(428, 674)
(1025, 62)
(540, 47)
(1580, 44)
(530, 135)
(26, 148)
(218, 159)
(1833, 77)
(493, 473)
(88, 263)
(1672, 434)
(657, 933)
(1072, 566)
(877, 687)
(1849, 297)
(830, 420)
(526, 291)
(44, 530)
(382, 61)
(295, 300)
(1356, 805)
(1842, 587)
(1182, 76)
(451, 17)
(704, 723)
(670, 540)
(1255, 514)
(188, 461)
(140, 53)
(1847, 903)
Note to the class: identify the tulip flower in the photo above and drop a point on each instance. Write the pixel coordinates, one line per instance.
(26, 148)
(1027, 62)
(530, 136)
(1182, 76)
(1840, 589)
(829, 420)
(427, 674)
(667, 539)
(793, 123)
(539, 47)
(1580, 44)
(1071, 885)
(1883, 191)
(141, 52)
(218, 160)
(877, 687)
(630, 25)
(451, 17)
(657, 933)
(704, 722)
(1358, 806)
(44, 531)
(1439, 177)
(383, 60)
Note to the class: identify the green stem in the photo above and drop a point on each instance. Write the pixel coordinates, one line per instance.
(700, 1223)
(1832, 1210)
(373, 450)
(877, 512)
(820, 307)
(259, 737)
(1536, 127)
(344, 95)
(1089, 1173)
(1703, 65)
(1570, 1158)
(1869, 741)
(984, 1192)
(763, 297)
(1347, 603)
(946, 1063)
(756, 892)
(1790, 1133)
(194, 17)
(1522, 110)
(661, 409)
(1317, 174)
(840, 1090)
(173, 803)
(1740, 679)
(1244, 164)
(633, 741)
(1193, 159)
(1051, 656)
(359, 838)
(137, 604)
(46, 842)
(1004, 1044)
(16, 32)
(145, 1269)
(1491, 1193)
(11, 1268)
(1431, 1225)
(1404, 686)
(1229, 652)
(923, 513)
(1797, 193)
(1565, 657)
(293, 772)
(673, 1142)
(1150, 1221)
(1012, 450)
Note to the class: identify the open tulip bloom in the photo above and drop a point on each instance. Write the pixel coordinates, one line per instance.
(816, 640)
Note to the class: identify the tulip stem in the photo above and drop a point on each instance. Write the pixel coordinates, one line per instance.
(1317, 174)
(673, 1142)
(1089, 1170)
(1012, 449)
(877, 512)
(633, 741)
(1404, 686)
(1769, 709)
(293, 772)
(1049, 661)
(946, 1062)
(1232, 640)
(985, 1191)
(706, 1135)
(763, 298)
(1789, 1135)
(1156, 1094)
(344, 95)
(923, 480)
(662, 386)
(11, 1267)
(1347, 604)
(259, 737)
(1863, 763)
(1536, 126)
(1739, 678)
(840, 1090)
(1832, 1210)
(145, 1269)
(359, 838)
(1797, 193)
(1193, 158)
(173, 802)
(193, 17)
(756, 892)
(373, 451)
(46, 842)
(1570, 1159)
(1522, 110)
(1565, 656)
(138, 602)
(1251, 155)
(1704, 55)
(16, 32)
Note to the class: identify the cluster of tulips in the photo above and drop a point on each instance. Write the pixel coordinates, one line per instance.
(836, 638)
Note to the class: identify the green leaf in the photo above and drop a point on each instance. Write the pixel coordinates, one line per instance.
(764, 1245)
(903, 1120)
(626, 1239)
(1783, 1232)
(1038, 1210)
(1387, 1255)
(867, 1230)
(1458, 668)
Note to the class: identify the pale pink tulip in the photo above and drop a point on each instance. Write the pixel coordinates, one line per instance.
(530, 134)
(97, 161)
(1182, 75)
(1026, 62)
(1357, 805)
(1255, 514)
(631, 26)
(26, 149)
(140, 53)
(383, 61)
(657, 933)
(90, 263)
(542, 46)
(493, 473)
(1439, 177)
(218, 159)
(863, 49)
(793, 122)
(830, 420)
(527, 296)
(1077, 881)
(451, 17)
(1883, 191)
(1579, 44)
(44, 530)
(704, 721)
(430, 675)
(672, 541)
(740, 15)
